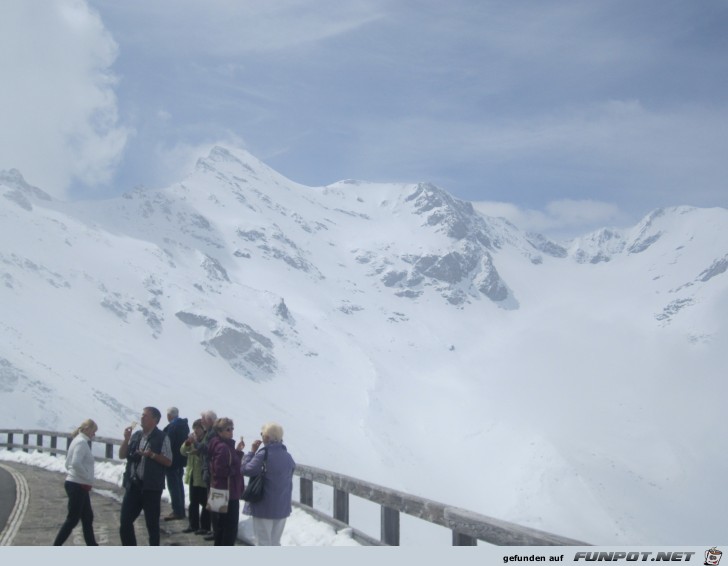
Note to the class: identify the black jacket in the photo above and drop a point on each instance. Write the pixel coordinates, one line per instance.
(177, 431)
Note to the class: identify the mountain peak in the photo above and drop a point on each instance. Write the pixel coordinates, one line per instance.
(20, 191)
(237, 163)
(220, 154)
(220, 157)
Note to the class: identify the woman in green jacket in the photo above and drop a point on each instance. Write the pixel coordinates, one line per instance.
(199, 522)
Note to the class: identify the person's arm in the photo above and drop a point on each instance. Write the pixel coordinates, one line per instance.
(124, 448)
(187, 448)
(164, 457)
(158, 458)
(88, 464)
(72, 458)
(252, 462)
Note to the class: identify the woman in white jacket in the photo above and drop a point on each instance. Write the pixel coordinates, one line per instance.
(80, 478)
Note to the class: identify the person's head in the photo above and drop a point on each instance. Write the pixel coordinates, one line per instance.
(172, 413)
(88, 427)
(271, 432)
(224, 427)
(198, 429)
(208, 419)
(150, 418)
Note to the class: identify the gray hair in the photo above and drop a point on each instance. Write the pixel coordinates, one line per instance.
(209, 415)
(273, 431)
(173, 412)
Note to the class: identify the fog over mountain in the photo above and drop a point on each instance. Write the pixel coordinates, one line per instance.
(398, 335)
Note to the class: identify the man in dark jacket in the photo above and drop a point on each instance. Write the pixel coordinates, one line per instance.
(148, 454)
(177, 431)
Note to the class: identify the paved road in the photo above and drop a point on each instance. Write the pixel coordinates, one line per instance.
(42, 504)
(7, 496)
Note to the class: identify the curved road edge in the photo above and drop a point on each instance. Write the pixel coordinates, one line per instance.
(15, 518)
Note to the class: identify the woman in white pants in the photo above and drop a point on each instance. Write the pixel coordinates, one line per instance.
(270, 513)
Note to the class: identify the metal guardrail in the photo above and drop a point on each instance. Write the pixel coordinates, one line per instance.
(47, 441)
(467, 527)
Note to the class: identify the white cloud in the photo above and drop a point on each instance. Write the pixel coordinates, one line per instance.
(57, 102)
(224, 28)
(582, 212)
(619, 150)
(560, 218)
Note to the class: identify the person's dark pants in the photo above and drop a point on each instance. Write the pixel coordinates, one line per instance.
(227, 525)
(79, 509)
(176, 488)
(214, 523)
(135, 501)
(198, 498)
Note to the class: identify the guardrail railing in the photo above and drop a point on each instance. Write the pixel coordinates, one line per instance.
(467, 527)
(48, 441)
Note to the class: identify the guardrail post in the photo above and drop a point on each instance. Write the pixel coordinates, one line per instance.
(54, 440)
(109, 451)
(26, 441)
(306, 492)
(390, 526)
(341, 506)
(39, 442)
(459, 539)
(10, 441)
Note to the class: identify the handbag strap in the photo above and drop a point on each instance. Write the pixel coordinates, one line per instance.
(230, 465)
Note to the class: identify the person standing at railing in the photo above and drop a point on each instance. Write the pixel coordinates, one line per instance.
(177, 430)
(225, 458)
(199, 521)
(208, 418)
(148, 453)
(80, 479)
(270, 513)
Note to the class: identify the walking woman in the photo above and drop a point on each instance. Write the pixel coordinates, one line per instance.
(80, 479)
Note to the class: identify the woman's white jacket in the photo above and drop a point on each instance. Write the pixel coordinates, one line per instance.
(80, 461)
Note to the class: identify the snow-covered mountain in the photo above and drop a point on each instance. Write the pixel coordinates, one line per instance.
(398, 335)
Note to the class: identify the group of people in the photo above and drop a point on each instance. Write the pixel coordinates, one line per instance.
(212, 459)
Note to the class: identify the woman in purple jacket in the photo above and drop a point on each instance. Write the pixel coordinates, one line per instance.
(225, 460)
(270, 513)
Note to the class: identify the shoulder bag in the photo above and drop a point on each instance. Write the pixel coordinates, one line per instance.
(254, 490)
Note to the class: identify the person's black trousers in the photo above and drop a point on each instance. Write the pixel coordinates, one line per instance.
(79, 509)
(227, 525)
(198, 498)
(135, 501)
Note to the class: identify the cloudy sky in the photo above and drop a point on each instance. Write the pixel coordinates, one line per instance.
(565, 114)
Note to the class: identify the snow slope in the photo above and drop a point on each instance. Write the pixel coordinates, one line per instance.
(397, 335)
